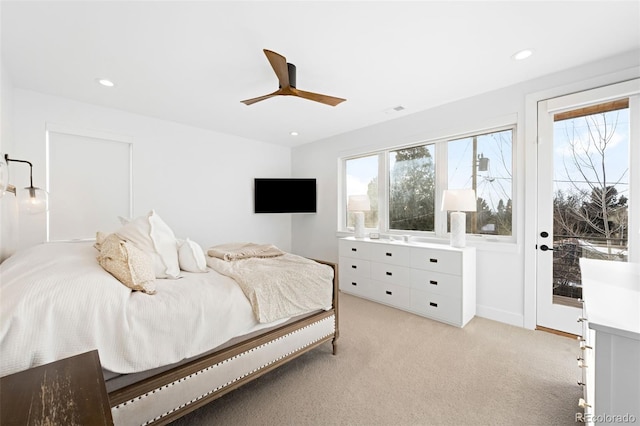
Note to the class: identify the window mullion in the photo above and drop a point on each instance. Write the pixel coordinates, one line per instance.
(441, 185)
(383, 191)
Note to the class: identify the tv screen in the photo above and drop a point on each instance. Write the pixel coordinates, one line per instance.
(284, 195)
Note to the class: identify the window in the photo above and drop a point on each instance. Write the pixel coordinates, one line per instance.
(483, 163)
(404, 185)
(412, 188)
(362, 182)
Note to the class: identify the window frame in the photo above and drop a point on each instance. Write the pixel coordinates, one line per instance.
(440, 146)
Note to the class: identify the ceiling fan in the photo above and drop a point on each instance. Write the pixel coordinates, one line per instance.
(286, 74)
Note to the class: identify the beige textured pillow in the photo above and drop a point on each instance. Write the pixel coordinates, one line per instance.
(100, 237)
(130, 265)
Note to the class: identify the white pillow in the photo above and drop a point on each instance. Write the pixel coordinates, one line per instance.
(191, 256)
(150, 234)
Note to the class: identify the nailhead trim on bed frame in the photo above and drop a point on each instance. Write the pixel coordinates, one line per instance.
(332, 318)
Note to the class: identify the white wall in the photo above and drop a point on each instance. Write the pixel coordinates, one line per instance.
(500, 277)
(8, 208)
(200, 182)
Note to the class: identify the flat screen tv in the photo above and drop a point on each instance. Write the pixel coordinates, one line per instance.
(284, 195)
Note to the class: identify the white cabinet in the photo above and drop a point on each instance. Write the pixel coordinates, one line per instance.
(432, 280)
(610, 344)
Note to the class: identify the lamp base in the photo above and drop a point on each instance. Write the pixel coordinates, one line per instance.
(359, 224)
(458, 229)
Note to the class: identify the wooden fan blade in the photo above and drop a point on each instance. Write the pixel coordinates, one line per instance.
(279, 65)
(261, 98)
(324, 99)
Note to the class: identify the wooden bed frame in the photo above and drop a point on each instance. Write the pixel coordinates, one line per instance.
(167, 396)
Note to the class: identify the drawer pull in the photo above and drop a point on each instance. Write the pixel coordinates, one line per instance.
(389, 254)
(435, 305)
(433, 282)
(354, 266)
(432, 260)
(389, 292)
(354, 283)
(389, 273)
(581, 364)
(581, 319)
(354, 249)
(581, 383)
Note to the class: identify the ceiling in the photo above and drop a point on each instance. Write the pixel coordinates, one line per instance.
(192, 62)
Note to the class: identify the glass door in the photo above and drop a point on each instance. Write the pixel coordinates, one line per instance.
(586, 159)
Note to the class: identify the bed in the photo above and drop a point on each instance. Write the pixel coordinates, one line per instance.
(165, 351)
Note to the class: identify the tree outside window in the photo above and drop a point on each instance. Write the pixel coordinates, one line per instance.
(484, 163)
(412, 189)
(591, 187)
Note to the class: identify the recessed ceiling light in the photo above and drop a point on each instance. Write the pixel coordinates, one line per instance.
(294, 133)
(523, 54)
(105, 82)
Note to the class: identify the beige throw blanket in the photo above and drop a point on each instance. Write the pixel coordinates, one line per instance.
(235, 251)
(280, 287)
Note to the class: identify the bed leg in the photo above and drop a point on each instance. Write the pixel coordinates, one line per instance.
(335, 346)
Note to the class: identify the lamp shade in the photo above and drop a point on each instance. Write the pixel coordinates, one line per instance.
(33, 200)
(461, 200)
(359, 203)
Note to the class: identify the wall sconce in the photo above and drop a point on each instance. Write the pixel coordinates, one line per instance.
(358, 204)
(458, 201)
(31, 199)
(4, 177)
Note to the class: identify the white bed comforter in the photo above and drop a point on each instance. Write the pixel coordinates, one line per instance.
(56, 301)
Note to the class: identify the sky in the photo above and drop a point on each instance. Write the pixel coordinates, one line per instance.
(616, 153)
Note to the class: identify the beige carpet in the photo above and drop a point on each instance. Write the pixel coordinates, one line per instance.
(395, 368)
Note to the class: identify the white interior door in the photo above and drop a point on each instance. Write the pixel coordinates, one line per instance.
(588, 157)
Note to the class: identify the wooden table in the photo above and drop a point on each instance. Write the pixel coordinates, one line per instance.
(67, 392)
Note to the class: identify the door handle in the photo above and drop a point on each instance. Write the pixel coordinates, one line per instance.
(545, 247)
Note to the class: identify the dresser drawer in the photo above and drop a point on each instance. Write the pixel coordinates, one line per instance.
(436, 282)
(445, 261)
(355, 249)
(353, 266)
(391, 294)
(391, 274)
(391, 254)
(437, 306)
(353, 284)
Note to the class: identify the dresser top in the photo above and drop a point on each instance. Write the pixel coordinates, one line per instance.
(410, 243)
(611, 293)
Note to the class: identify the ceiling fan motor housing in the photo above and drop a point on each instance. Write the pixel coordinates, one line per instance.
(292, 74)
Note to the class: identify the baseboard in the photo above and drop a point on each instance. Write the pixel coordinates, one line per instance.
(500, 315)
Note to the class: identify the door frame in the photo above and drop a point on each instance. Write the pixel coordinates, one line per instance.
(530, 182)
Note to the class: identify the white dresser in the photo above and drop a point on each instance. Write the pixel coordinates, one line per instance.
(433, 280)
(610, 344)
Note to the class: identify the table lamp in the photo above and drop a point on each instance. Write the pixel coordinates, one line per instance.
(358, 204)
(458, 201)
